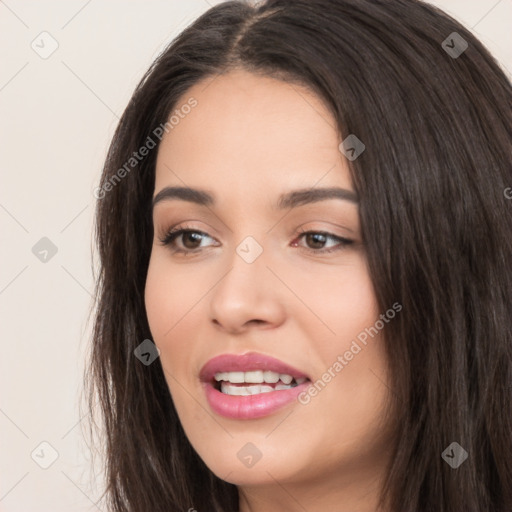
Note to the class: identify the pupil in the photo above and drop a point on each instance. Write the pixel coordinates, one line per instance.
(314, 237)
(191, 236)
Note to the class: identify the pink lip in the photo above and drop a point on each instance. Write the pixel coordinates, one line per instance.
(253, 406)
(245, 363)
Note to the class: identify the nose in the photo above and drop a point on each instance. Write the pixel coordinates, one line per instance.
(247, 296)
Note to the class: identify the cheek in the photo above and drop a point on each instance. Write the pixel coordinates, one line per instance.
(351, 384)
(341, 298)
(170, 294)
(173, 306)
(352, 312)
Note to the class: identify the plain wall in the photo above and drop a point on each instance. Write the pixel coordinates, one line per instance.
(57, 117)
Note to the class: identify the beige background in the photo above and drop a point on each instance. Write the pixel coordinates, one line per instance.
(57, 117)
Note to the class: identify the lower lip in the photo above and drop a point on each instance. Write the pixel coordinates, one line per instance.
(252, 406)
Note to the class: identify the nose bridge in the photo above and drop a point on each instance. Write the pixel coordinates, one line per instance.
(249, 249)
(243, 283)
(244, 294)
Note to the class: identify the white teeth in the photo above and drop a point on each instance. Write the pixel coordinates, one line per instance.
(285, 378)
(282, 386)
(270, 377)
(227, 389)
(257, 382)
(255, 377)
(236, 377)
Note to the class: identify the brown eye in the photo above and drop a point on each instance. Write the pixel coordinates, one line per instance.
(316, 240)
(190, 239)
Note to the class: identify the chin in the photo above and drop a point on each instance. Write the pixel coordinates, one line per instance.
(245, 462)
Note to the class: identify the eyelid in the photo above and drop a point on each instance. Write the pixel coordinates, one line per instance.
(178, 230)
(344, 241)
(190, 225)
(172, 234)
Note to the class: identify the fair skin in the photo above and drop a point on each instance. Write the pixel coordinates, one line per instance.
(249, 140)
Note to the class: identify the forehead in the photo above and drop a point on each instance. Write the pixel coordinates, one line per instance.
(251, 133)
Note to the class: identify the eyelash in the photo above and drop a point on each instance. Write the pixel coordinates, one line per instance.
(172, 234)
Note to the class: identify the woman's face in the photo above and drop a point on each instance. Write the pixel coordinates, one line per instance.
(251, 282)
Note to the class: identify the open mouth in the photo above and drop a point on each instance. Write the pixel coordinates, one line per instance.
(251, 385)
(254, 382)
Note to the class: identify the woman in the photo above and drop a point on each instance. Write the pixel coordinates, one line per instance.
(305, 247)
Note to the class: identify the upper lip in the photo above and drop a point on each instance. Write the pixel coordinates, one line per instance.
(244, 363)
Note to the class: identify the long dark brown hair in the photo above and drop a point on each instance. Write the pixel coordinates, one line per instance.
(435, 219)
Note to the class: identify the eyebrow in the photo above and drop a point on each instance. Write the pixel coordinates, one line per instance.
(291, 199)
